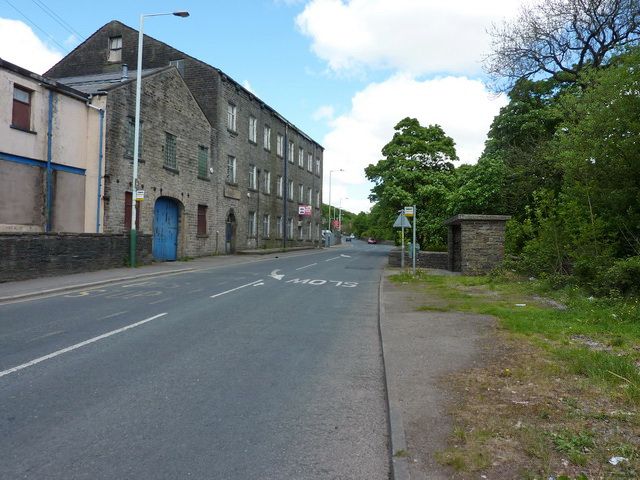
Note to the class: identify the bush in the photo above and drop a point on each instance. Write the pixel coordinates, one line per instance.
(623, 276)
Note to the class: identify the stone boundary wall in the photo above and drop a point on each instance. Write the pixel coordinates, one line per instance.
(439, 260)
(33, 255)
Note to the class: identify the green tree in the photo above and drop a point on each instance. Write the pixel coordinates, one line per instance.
(519, 136)
(417, 161)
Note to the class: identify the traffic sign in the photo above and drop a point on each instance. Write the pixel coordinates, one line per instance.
(401, 222)
(409, 211)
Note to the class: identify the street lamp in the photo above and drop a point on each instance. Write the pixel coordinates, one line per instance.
(340, 213)
(330, 172)
(136, 133)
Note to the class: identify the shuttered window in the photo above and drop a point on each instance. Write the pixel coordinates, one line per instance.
(202, 219)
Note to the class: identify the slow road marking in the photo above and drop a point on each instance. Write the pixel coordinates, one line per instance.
(78, 345)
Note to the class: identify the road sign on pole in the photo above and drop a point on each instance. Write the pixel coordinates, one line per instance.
(409, 211)
(401, 222)
(413, 246)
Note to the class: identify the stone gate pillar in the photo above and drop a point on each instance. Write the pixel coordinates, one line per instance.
(476, 242)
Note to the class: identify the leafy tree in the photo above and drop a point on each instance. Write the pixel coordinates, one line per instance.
(594, 217)
(479, 188)
(416, 160)
(598, 147)
(518, 137)
(559, 38)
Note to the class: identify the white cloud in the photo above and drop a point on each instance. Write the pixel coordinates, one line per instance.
(416, 36)
(461, 106)
(19, 45)
(325, 112)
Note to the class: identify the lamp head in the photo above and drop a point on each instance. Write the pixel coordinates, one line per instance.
(181, 14)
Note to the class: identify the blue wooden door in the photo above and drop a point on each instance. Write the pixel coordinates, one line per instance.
(165, 229)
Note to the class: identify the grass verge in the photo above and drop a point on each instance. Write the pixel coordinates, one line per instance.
(559, 393)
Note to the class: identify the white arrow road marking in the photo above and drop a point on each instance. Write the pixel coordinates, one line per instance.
(329, 259)
(78, 345)
(307, 266)
(258, 284)
(345, 256)
(276, 275)
(237, 288)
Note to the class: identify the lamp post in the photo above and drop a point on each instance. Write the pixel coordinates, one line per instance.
(330, 172)
(340, 213)
(136, 132)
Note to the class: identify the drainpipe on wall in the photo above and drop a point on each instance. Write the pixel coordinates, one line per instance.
(100, 140)
(49, 197)
(285, 185)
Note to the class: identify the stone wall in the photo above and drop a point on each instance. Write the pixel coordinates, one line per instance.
(476, 243)
(24, 256)
(439, 260)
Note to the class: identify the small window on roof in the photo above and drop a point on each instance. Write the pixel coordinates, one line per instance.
(115, 49)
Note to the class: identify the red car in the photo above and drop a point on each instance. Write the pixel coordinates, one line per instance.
(371, 241)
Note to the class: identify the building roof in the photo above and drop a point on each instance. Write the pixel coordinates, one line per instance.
(44, 81)
(103, 82)
(238, 85)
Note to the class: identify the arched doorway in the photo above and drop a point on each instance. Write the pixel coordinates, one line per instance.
(230, 233)
(165, 229)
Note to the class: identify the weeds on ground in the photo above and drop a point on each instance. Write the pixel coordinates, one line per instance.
(559, 397)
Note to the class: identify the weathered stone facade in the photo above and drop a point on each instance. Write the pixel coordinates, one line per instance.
(230, 199)
(476, 242)
(167, 106)
(35, 255)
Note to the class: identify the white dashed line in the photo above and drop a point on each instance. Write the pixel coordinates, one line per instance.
(237, 288)
(78, 345)
(307, 266)
(329, 259)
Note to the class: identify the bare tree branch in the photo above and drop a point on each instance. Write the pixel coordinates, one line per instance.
(559, 38)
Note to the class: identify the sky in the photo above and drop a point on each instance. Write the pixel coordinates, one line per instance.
(343, 71)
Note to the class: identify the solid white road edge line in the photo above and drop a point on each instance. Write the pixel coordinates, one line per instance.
(78, 345)
(234, 289)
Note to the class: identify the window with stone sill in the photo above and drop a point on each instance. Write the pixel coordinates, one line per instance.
(202, 220)
(231, 169)
(231, 117)
(170, 159)
(115, 49)
(252, 177)
(280, 145)
(203, 162)
(267, 137)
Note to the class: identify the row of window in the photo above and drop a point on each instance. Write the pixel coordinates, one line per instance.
(304, 228)
(170, 150)
(252, 230)
(264, 178)
(232, 118)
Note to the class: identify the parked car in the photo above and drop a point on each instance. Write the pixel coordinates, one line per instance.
(371, 241)
(347, 238)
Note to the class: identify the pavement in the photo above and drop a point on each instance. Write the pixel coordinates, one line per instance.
(420, 348)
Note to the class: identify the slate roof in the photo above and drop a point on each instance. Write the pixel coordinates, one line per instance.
(102, 82)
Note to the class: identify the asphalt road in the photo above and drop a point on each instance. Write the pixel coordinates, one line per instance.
(267, 370)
